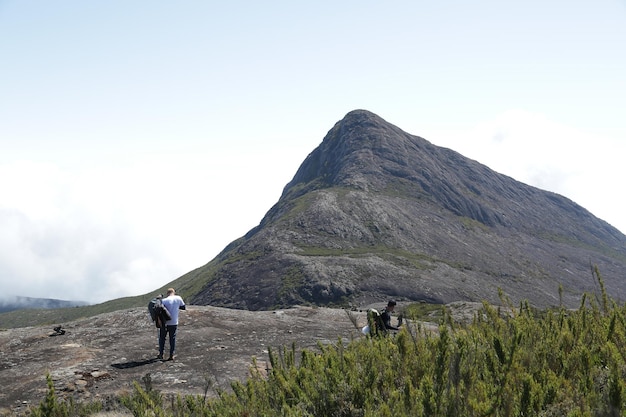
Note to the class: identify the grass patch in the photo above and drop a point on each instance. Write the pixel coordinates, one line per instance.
(290, 280)
(471, 224)
(432, 313)
(397, 256)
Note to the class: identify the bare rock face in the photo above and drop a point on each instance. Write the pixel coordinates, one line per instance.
(103, 356)
(375, 212)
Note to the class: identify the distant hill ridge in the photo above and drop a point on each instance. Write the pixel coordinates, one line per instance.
(374, 212)
(11, 303)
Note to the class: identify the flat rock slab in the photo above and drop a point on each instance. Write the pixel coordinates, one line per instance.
(104, 355)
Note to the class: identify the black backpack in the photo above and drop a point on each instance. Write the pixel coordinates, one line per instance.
(158, 312)
(152, 307)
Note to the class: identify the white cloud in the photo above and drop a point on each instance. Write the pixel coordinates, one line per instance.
(98, 232)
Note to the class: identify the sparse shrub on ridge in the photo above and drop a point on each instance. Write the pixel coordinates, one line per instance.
(52, 406)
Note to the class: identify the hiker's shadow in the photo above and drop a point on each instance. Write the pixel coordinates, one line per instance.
(134, 364)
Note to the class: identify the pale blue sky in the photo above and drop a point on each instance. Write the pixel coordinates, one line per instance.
(139, 138)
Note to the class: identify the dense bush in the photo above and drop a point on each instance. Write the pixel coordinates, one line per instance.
(507, 362)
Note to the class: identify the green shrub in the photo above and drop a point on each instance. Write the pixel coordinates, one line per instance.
(52, 406)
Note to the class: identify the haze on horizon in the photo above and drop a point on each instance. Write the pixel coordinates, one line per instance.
(139, 139)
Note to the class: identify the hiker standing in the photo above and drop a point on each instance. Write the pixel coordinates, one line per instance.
(386, 315)
(173, 303)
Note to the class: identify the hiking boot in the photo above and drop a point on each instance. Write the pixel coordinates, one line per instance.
(171, 358)
(160, 356)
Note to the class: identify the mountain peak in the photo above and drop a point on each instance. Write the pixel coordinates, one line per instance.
(362, 118)
(374, 212)
(356, 152)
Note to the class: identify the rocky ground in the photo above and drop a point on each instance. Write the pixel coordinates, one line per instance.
(100, 357)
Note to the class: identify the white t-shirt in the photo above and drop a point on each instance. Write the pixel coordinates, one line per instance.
(172, 303)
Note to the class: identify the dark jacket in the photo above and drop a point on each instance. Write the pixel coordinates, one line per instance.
(386, 316)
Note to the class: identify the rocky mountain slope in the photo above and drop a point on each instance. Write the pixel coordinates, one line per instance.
(375, 212)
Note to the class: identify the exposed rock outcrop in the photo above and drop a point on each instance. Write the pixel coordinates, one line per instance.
(376, 212)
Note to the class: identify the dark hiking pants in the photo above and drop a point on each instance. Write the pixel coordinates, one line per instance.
(171, 330)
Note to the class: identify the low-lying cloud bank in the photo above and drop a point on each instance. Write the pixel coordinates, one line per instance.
(16, 302)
